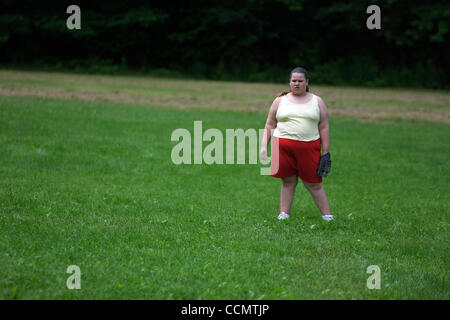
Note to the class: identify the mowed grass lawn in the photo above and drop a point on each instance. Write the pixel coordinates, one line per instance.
(92, 184)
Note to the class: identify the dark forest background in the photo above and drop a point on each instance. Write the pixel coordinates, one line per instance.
(247, 40)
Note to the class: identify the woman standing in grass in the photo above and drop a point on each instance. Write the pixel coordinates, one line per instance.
(299, 122)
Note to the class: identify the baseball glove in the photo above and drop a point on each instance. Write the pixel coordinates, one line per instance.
(324, 166)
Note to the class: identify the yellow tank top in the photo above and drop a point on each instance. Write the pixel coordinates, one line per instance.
(298, 121)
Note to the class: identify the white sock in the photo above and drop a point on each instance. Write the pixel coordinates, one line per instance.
(283, 215)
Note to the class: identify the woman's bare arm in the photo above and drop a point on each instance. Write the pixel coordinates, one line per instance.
(271, 124)
(324, 127)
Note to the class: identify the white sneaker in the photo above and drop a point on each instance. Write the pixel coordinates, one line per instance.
(283, 216)
(328, 217)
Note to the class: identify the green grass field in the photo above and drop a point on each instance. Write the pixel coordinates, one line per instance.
(91, 183)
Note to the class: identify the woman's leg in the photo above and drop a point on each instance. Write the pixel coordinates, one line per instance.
(287, 193)
(320, 198)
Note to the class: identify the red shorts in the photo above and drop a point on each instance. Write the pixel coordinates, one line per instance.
(299, 158)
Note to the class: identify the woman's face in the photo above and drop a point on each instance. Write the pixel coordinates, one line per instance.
(298, 83)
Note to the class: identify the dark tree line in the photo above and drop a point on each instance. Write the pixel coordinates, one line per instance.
(254, 40)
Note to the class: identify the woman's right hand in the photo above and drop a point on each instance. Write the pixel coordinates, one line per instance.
(263, 153)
